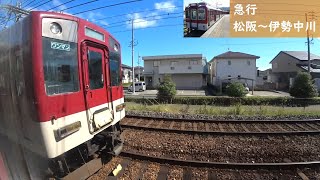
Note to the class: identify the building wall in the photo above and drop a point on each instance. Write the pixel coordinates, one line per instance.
(127, 75)
(238, 67)
(188, 81)
(285, 63)
(181, 66)
(186, 73)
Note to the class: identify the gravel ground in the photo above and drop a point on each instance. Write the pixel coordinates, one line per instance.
(223, 148)
(176, 173)
(193, 116)
(152, 172)
(132, 171)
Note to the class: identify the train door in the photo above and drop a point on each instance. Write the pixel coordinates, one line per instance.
(96, 89)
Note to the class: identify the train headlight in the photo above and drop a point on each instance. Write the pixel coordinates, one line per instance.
(116, 48)
(55, 28)
(120, 107)
(67, 130)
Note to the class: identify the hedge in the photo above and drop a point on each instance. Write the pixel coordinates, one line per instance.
(229, 101)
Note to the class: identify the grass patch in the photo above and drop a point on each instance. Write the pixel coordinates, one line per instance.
(237, 109)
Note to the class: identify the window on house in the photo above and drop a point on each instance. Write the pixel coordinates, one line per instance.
(173, 63)
(248, 62)
(193, 62)
(172, 68)
(156, 63)
(229, 62)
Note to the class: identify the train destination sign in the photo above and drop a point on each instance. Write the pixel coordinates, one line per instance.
(60, 46)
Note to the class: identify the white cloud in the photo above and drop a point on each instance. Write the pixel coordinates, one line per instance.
(141, 22)
(166, 6)
(95, 17)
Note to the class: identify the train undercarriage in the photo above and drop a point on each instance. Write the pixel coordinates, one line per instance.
(18, 162)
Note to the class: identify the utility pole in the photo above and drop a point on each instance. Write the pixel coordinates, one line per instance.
(308, 37)
(132, 44)
(16, 9)
(308, 41)
(139, 66)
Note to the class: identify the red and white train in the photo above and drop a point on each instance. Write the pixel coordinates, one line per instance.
(61, 97)
(201, 16)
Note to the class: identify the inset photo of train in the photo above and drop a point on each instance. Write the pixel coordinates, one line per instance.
(206, 18)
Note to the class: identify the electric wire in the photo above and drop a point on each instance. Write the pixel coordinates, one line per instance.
(142, 20)
(160, 15)
(142, 11)
(60, 5)
(46, 2)
(102, 7)
(78, 5)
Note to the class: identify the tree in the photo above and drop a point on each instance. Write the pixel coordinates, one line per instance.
(303, 87)
(166, 89)
(236, 90)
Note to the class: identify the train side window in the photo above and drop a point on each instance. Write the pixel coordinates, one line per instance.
(60, 66)
(95, 70)
(115, 68)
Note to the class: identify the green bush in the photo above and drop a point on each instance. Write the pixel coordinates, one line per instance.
(235, 90)
(230, 101)
(303, 87)
(166, 90)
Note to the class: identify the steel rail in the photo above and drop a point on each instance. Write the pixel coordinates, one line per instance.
(194, 163)
(223, 121)
(219, 132)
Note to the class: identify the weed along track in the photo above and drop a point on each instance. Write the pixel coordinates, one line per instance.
(224, 127)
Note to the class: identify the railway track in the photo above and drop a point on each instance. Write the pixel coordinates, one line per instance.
(142, 166)
(224, 127)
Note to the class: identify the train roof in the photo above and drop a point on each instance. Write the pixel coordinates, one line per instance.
(203, 4)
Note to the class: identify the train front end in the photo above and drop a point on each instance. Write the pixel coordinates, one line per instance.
(77, 83)
(67, 102)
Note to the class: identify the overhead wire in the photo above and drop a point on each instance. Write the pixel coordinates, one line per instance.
(150, 27)
(142, 11)
(78, 5)
(46, 2)
(60, 5)
(102, 7)
(25, 2)
(142, 20)
(160, 15)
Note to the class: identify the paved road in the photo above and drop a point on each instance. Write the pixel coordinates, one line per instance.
(220, 28)
(269, 93)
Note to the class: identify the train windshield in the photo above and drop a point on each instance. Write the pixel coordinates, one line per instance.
(60, 66)
(194, 14)
(187, 13)
(201, 14)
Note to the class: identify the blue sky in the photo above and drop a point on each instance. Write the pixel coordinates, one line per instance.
(154, 37)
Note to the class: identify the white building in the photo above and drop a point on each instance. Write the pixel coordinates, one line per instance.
(233, 65)
(189, 71)
(126, 73)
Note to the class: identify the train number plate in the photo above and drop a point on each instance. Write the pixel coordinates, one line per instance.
(60, 46)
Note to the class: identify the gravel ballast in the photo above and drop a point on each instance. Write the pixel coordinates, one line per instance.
(223, 148)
